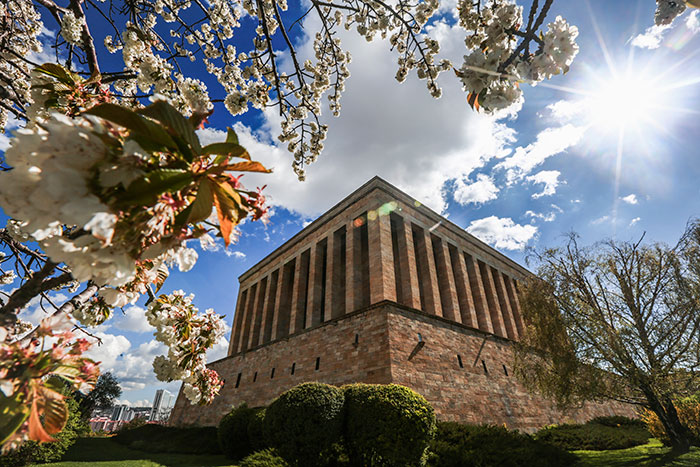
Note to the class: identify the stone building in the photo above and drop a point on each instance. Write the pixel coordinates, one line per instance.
(381, 289)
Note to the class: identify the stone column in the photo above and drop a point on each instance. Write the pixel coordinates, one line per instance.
(468, 310)
(407, 259)
(247, 319)
(237, 322)
(351, 278)
(450, 307)
(479, 294)
(491, 295)
(256, 318)
(311, 289)
(382, 283)
(297, 291)
(431, 287)
(265, 312)
(515, 301)
(330, 259)
(508, 316)
(278, 300)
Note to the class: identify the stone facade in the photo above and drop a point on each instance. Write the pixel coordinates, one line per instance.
(381, 289)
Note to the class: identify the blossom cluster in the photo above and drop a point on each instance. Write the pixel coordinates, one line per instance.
(493, 44)
(188, 335)
(21, 25)
(28, 367)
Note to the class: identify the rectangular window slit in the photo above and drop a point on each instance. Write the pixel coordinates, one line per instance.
(486, 371)
(272, 373)
(238, 379)
(505, 370)
(318, 363)
(357, 339)
(293, 367)
(459, 360)
(255, 376)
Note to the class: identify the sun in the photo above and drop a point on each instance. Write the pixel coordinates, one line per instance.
(624, 101)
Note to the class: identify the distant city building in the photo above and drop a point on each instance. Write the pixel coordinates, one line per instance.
(163, 404)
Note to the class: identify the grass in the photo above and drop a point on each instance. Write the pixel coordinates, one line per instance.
(104, 452)
(652, 454)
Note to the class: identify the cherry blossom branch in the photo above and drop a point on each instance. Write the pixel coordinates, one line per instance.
(88, 45)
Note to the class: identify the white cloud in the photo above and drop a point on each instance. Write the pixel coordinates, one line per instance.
(478, 192)
(549, 142)
(651, 38)
(502, 233)
(220, 350)
(133, 319)
(564, 110)
(139, 403)
(693, 22)
(396, 131)
(549, 217)
(630, 199)
(550, 179)
(600, 220)
(235, 254)
(112, 348)
(4, 142)
(635, 220)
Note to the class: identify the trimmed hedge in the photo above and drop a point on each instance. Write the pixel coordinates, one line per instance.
(265, 458)
(387, 425)
(256, 430)
(594, 436)
(232, 433)
(616, 421)
(457, 445)
(32, 452)
(305, 421)
(159, 438)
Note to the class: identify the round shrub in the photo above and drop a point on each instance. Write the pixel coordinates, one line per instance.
(387, 425)
(233, 432)
(615, 421)
(305, 421)
(265, 458)
(256, 430)
(457, 445)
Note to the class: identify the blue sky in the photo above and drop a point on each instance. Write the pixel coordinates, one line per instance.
(570, 160)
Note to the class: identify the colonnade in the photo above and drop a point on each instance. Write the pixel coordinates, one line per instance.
(377, 256)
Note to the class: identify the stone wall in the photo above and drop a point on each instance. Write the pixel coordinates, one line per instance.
(464, 373)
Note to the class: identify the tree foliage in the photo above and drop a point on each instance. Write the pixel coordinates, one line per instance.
(103, 395)
(616, 320)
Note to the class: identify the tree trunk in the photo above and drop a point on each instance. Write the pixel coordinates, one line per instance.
(666, 411)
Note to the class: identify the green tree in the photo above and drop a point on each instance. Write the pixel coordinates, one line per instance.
(106, 390)
(617, 320)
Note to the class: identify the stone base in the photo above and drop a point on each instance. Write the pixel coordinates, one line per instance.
(464, 373)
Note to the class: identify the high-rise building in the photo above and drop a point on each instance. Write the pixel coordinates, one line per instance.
(163, 403)
(381, 289)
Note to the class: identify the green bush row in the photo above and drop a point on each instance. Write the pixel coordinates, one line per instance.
(318, 424)
(599, 434)
(159, 438)
(458, 445)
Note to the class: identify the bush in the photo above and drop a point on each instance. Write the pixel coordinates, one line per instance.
(387, 425)
(256, 430)
(457, 445)
(265, 458)
(32, 452)
(305, 421)
(137, 422)
(153, 437)
(233, 435)
(616, 421)
(689, 414)
(594, 436)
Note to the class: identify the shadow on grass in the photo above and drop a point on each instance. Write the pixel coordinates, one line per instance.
(92, 450)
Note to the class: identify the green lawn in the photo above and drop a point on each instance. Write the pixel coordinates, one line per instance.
(105, 452)
(653, 454)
